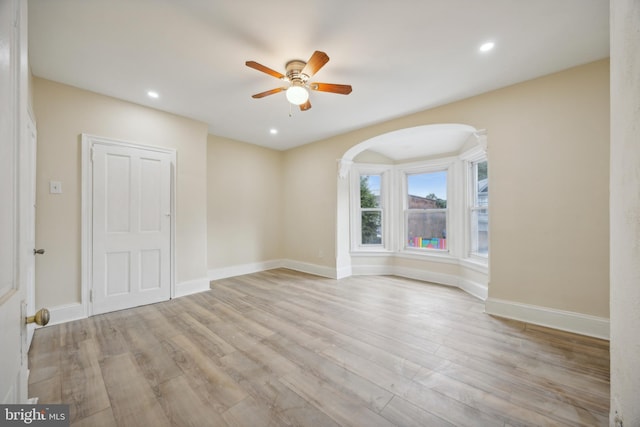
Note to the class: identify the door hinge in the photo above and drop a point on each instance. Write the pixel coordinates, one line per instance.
(91, 295)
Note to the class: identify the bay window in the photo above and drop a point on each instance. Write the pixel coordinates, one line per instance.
(436, 209)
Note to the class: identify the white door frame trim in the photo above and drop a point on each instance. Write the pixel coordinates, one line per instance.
(87, 211)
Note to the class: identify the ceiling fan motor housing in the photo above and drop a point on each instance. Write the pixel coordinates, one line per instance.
(294, 71)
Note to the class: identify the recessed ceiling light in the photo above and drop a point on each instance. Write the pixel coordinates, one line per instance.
(486, 47)
(273, 131)
(153, 94)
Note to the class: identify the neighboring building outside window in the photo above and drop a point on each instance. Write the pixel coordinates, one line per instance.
(426, 211)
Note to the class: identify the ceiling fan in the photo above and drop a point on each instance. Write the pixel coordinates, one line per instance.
(297, 75)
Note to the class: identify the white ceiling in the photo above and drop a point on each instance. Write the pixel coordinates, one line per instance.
(400, 56)
(418, 141)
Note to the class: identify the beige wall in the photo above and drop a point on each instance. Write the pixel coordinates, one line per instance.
(245, 203)
(63, 113)
(549, 153)
(310, 203)
(625, 212)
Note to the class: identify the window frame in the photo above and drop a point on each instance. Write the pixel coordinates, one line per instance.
(385, 208)
(471, 159)
(407, 211)
(444, 164)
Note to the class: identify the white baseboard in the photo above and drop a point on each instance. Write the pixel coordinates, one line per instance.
(569, 321)
(256, 267)
(345, 271)
(75, 311)
(304, 267)
(476, 289)
(372, 270)
(426, 276)
(67, 313)
(192, 287)
(239, 270)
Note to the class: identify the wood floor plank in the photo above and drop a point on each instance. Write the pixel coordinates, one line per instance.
(335, 376)
(344, 409)
(103, 418)
(402, 413)
(48, 390)
(132, 400)
(277, 404)
(184, 406)
(249, 413)
(156, 365)
(284, 348)
(82, 383)
(208, 377)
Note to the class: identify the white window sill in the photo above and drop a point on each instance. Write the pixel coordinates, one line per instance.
(479, 265)
(363, 252)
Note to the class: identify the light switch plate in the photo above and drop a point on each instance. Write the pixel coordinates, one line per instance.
(55, 187)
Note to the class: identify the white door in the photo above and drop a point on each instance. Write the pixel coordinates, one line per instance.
(28, 149)
(13, 354)
(131, 224)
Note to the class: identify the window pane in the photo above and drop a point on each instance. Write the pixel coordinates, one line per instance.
(427, 230)
(371, 227)
(370, 191)
(427, 190)
(480, 231)
(482, 189)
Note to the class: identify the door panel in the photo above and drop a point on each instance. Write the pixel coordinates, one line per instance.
(14, 219)
(131, 227)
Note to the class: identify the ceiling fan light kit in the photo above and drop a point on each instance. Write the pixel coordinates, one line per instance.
(297, 75)
(297, 94)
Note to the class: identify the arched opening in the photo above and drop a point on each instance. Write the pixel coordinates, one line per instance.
(458, 255)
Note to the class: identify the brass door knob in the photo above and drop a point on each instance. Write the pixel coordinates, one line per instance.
(41, 317)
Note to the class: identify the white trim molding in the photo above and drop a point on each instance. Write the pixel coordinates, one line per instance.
(242, 269)
(304, 267)
(192, 287)
(256, 267)
(569, 321)
(476, 289)
(67, 313)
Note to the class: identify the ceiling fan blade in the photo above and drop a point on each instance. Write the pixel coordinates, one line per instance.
(317, 61)
(330, 87)
(267, 70)
(268, 92)
(305, 106)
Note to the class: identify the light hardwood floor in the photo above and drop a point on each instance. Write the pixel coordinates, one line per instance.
(282, 348)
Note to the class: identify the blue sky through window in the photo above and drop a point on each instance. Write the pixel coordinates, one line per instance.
(373, 183)
(423, 184)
